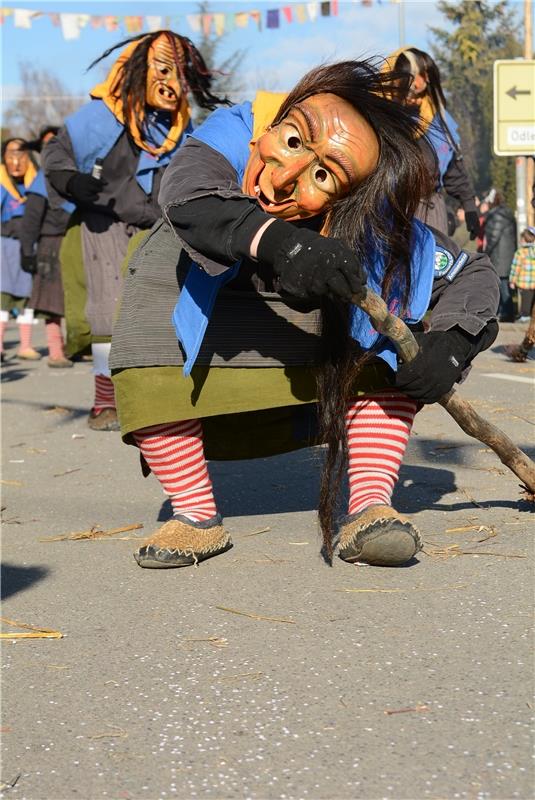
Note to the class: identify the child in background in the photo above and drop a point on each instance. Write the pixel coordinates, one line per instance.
(522, 275)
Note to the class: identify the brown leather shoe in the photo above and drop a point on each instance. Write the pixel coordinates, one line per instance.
(181, 543)
(379, 536)
(105, 420)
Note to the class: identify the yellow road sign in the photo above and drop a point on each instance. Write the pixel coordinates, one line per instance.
(514, 107)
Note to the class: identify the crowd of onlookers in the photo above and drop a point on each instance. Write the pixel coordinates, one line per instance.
(512, 256)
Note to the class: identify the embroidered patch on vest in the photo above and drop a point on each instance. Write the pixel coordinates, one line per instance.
(457, 266)
(446, 266)
(443, 261)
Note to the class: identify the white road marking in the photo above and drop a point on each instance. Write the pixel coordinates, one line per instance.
(503, 377)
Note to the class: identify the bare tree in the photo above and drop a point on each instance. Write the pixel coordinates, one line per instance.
(43, 100)
(227, 80)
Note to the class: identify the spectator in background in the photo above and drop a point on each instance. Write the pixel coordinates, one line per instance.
(500, 246)
(461, 235)
(41, 233)
(423, 93)
(522, 275)
(17, 173)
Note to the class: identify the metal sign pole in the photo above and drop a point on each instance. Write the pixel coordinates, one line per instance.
(529, 162)
(521, 196)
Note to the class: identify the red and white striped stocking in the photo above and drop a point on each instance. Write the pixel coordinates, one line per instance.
(54, 338)
(174, 452)
(104, 393)
(378, 428)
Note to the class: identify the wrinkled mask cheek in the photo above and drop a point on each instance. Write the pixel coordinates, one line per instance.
(311, 201)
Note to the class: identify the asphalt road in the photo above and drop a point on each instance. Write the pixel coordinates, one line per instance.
(365, 683)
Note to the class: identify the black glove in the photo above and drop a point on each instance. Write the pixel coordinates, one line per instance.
(439, 364)
(473, 226)
(84, 188)
(28, 263)
(310, 265)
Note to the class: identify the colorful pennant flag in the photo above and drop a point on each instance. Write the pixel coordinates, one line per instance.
(207, 24)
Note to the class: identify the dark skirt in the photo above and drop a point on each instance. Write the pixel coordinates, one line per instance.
(47, 290)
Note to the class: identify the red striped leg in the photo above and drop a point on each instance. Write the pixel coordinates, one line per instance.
(25, 334)
(104, 393)
(54, 338)
(174, 453)
(378, 428)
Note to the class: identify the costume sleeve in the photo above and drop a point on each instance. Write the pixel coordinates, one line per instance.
(58, 154)
(469, 300)
(58, 163)
(457, 183)
(32, 221)
(201, 197)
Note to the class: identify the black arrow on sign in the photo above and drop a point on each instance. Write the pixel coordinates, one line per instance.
(513, 91)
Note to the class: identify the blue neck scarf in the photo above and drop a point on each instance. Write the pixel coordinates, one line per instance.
(94, 130)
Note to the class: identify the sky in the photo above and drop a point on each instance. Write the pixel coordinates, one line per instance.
(274, 59)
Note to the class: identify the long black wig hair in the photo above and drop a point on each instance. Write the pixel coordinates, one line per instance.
(427, 66)
(195, 77)
(378, 215)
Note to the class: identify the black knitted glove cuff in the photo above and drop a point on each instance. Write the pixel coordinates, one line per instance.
(272, 240)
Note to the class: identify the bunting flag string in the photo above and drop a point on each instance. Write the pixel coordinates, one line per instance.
(217, 24)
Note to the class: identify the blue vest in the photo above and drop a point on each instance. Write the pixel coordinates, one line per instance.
(441, 142)
(94, 130)
(229, 131)
(11, 206)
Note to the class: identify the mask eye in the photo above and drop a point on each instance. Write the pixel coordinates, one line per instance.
(292, 138)
(324, 180)
(162, 70)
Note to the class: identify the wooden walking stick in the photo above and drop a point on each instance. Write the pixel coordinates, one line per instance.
(461, 410)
